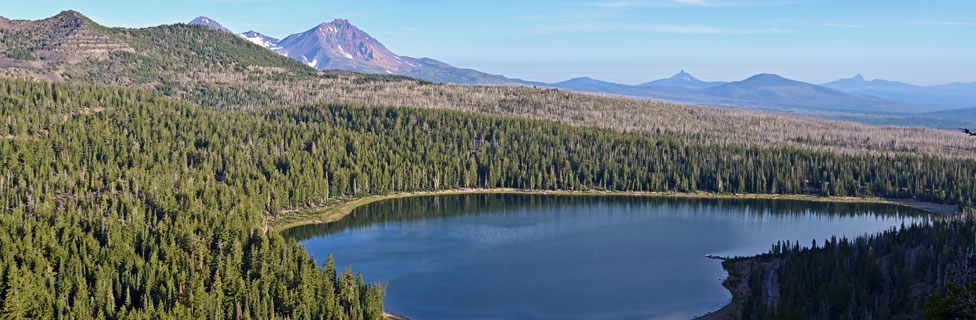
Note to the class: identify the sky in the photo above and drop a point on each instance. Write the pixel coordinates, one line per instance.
(625, 41)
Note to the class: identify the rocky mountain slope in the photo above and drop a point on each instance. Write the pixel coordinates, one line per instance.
(66, 38)
(339, 44)
(261, 40)
(207, 22)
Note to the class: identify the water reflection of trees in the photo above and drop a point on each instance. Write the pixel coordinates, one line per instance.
(444, 206)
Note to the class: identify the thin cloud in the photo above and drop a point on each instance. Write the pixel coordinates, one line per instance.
(622, 4)
(586, 27)
(655, 28)
(842, 25)
(941, 23)
(693, 2)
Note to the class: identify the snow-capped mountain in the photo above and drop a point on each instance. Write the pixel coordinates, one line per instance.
(204, 21)
(260, 39)
(253, 36)
(340, 45)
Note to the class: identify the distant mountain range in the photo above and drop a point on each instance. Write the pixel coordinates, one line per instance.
(194, 62)
(763, 91)
(682, 79)
(942, 96)
(341, 45)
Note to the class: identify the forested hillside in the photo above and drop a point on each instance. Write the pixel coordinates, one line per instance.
(122, 203)
(893, 275)
(137, 181)
(108, 212)
(216, 69)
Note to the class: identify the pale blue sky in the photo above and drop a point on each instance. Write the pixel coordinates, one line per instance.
(628, 41)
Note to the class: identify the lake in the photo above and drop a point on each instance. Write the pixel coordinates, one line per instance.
(510, 256)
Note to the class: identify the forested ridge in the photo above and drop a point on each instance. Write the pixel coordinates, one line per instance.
(215, 69)
(108, 212)
(910, 272)
(121, 203)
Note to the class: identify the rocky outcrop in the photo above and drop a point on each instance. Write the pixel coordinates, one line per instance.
(67, 37)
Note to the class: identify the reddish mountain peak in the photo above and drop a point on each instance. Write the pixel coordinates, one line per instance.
(339, 43)
(204, 21)
(339, 22)
(341, 26)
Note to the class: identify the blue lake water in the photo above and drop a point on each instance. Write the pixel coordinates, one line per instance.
(497, 256)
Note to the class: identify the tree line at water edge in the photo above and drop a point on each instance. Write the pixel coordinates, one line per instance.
(120, 203)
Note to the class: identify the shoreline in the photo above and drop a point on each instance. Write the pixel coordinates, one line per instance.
(338, 208)
(737, 271)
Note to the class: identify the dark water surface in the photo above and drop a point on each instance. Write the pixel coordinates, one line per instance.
(497, 256)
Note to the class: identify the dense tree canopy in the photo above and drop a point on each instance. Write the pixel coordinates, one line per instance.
(120, 203)
(891, 275)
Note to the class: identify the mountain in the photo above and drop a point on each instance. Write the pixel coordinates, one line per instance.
(67, 37)
(253, 36)
(966, 114)
(774, 90)
(587, 84)
(194, 63)
(676, 83)
(216, 69)
(858, 83)
(341, 45)
(260, 39)
(70, 47)
(204, 21)
(684, 80)
(762, 91)
(940, 97)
